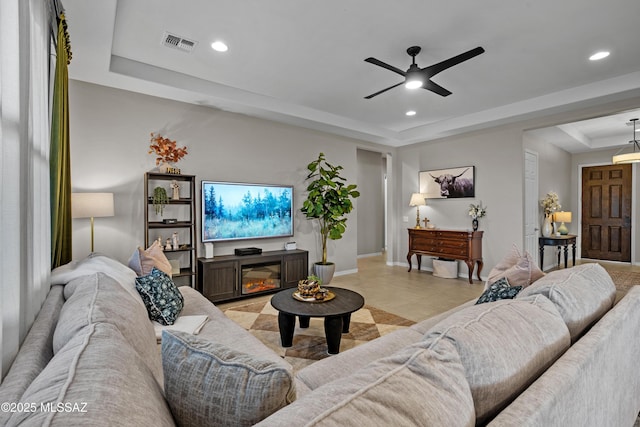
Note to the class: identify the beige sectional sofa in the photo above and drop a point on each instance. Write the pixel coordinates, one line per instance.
(559, 354)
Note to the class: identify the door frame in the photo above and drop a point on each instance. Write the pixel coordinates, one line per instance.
(531, 201)
(579, 209)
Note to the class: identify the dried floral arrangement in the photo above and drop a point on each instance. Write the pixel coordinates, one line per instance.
(166, 149)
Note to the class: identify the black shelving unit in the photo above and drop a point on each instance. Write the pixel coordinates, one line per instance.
(184, 210)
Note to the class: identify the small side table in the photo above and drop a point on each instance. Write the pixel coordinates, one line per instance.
(559, 241)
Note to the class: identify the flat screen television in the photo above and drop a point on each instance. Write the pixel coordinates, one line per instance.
(236, 211)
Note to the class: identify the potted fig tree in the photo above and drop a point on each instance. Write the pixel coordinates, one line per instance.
(329, 200)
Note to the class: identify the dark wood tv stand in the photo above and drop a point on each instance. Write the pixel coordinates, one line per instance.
(453, 244)
(221, 278)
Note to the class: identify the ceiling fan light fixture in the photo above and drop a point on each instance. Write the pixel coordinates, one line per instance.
(410, 113)
(599, 55)
(413, 84)
(633, 157)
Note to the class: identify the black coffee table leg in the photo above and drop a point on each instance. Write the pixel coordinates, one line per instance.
(333, 332)
(304, 321)
(346, 321)
(286, 324)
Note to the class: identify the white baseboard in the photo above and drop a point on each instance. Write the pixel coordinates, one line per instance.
(345, 272)
(369, 255)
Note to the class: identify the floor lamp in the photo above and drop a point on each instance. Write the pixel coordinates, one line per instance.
(91, 205)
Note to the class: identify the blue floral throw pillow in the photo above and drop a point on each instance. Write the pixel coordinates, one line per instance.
(499, 290)
(161, 296)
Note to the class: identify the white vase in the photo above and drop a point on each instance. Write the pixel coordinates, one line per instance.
(547, 226)
(163, 167)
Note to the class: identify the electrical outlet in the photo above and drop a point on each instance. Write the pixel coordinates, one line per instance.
(405, 219)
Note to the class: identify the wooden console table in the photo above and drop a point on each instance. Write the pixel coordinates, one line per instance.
(453, 244)
(559, 241)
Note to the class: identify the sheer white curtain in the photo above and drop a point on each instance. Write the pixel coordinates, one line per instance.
(25, 252)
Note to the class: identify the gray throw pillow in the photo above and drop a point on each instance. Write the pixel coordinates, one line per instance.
(161, 296)
(207, 383)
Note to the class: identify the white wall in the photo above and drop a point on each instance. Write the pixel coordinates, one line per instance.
(109, 144)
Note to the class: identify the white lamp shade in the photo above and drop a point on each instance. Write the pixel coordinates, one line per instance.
(562, 216)
(88, 205)
(626, 158)
(418, 199)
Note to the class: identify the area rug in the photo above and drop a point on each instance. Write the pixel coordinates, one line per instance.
(624, 280)
(309, 345)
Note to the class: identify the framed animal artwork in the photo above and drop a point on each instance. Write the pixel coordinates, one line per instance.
(449, 183)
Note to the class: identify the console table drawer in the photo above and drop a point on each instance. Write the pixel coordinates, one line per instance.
(461, 245)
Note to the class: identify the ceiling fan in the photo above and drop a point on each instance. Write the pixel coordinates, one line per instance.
(416, 77)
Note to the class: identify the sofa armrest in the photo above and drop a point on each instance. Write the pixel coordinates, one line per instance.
(593, 383)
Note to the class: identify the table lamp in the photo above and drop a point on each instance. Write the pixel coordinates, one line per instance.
(417, 200)
(91, 205)
(562, 217)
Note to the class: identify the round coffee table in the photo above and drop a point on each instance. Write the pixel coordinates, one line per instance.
(336, 313)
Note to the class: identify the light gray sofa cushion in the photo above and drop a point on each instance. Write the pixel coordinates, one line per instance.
(97, 367)
(581, 294)
(99, 297)
(504, 346)
(595, 383)
(35, 352)
(207, 383)
(221, 329)
(414, 387)
(343, 364)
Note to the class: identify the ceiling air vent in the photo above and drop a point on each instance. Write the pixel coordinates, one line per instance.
(177, 42)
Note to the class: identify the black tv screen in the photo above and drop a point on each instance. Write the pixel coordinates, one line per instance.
(235, 211)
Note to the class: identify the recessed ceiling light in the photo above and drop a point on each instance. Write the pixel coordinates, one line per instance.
(410, 113)
(219, 46)
(599, 55)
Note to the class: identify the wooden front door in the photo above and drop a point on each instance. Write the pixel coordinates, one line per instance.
(606, 212)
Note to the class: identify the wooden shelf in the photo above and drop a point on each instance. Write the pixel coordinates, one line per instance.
(186, 221)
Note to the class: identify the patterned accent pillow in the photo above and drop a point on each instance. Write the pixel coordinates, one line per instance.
(499, 290)
(161, 296)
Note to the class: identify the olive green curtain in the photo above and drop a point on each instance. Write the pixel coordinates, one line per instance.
(60, 159)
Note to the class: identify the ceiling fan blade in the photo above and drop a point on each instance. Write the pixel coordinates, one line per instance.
(436, 88)
(379, 63)
(383, 90)
(432, 70)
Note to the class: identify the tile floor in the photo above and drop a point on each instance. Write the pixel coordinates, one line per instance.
(415, 295)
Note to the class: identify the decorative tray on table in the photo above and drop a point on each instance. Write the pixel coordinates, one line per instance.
(328, 297)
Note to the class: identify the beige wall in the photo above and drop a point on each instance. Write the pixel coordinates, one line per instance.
(110, 133)
(109, 144)
(497, 156)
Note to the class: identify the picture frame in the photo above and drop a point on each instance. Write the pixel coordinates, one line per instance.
(450, 183)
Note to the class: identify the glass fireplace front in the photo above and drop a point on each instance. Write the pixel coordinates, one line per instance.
(260, 277)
